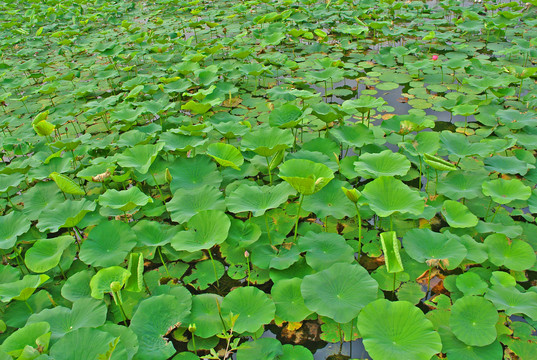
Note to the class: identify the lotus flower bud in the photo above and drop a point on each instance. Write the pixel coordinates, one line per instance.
(192, 328)
(435, 57)
(352, 194)
(246, 254)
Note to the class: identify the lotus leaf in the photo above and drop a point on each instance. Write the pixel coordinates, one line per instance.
(258, 199)
(356, 135)
(457, 215)
(387, 195)
(11, 226)
(65, 215)
(226, 155)
(473, 321)
(205, 229)
(339, 292)
(325, 249)
(385, 163)
(66, 185)
(458, 350)
(288, 300)
(391, 247)
(285, 116)
(191, 173)
(424, 245)
(87, 343)
(155, 317)
(124, 200)
(513, 301)
(85, 313)
(107, 244)
(260, 349)
(186, 203)
(267, 141)
(402, 332)
(514, 254)
(21, 289)
(504, 191)
(101, 283)
(28, 335)
(205, 315)
(307, 177)
(45, 254)
(253, 306)
(139, 157)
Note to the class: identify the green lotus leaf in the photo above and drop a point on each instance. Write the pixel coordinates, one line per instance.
(64, 215)
(387, 195)
(330, 201)
(204, 274)
(258, 199)
(356, 135)
(410, 291)
(507, 165)
(10, 181)
(471, 284)
(285, 116)
(459, 145)
(473, 321)
(364, 103)
(306, 176)
(514, 254)
(513, 301)
(205, 229)
(124, 200)
(402, 332)
(21, 289)
(464, 109)
(385, 163)
(327, 112)
(296, 352)
(438, 163)
(288, 299)
(39, 198)
(66, 185)
(88, 343)
(155, 317)
(424, 245)
(459, 184)
(11, 226)
(252, 305)
(260, 349)
(179, 142)
(186, 203)
(226, 155)
(391, 247)
(325, 249)
(504, 191)
(205, 315)
(139, 157)
(243, 233)
(107, 244)
(458, 350)
(267, 141)
(101, 282)
(152, 233)
(84, 313)
(126, 337)
(185, 356)
(77, 286)
(458, 215)
(28, 335)
(45, 254)
(339, 292)
(191, 173)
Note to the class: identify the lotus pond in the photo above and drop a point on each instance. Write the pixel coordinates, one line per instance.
(255, 180)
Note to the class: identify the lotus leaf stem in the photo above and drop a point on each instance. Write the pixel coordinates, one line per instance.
(268, 169)
(298, 215)
(268, 229)
(163, 262)
(214, 267)
(359, 231)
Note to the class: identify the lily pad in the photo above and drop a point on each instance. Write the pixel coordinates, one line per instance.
(45, 254)
(458, 215)
(306, 176)
(124, 200)
(187, 203)
(514, 254)
(387, 195)
(253, 306)
(11, 226)
(504, 191)
(258, 199)
(205, 229)
(289, 301)
(325, 249)
(226, 155)
(402, 332)
(139, 157)
(339, 292)
(473, 321)
(385, 163)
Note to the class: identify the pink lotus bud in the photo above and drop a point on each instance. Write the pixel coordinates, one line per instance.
(435, 57)
(246, 254)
